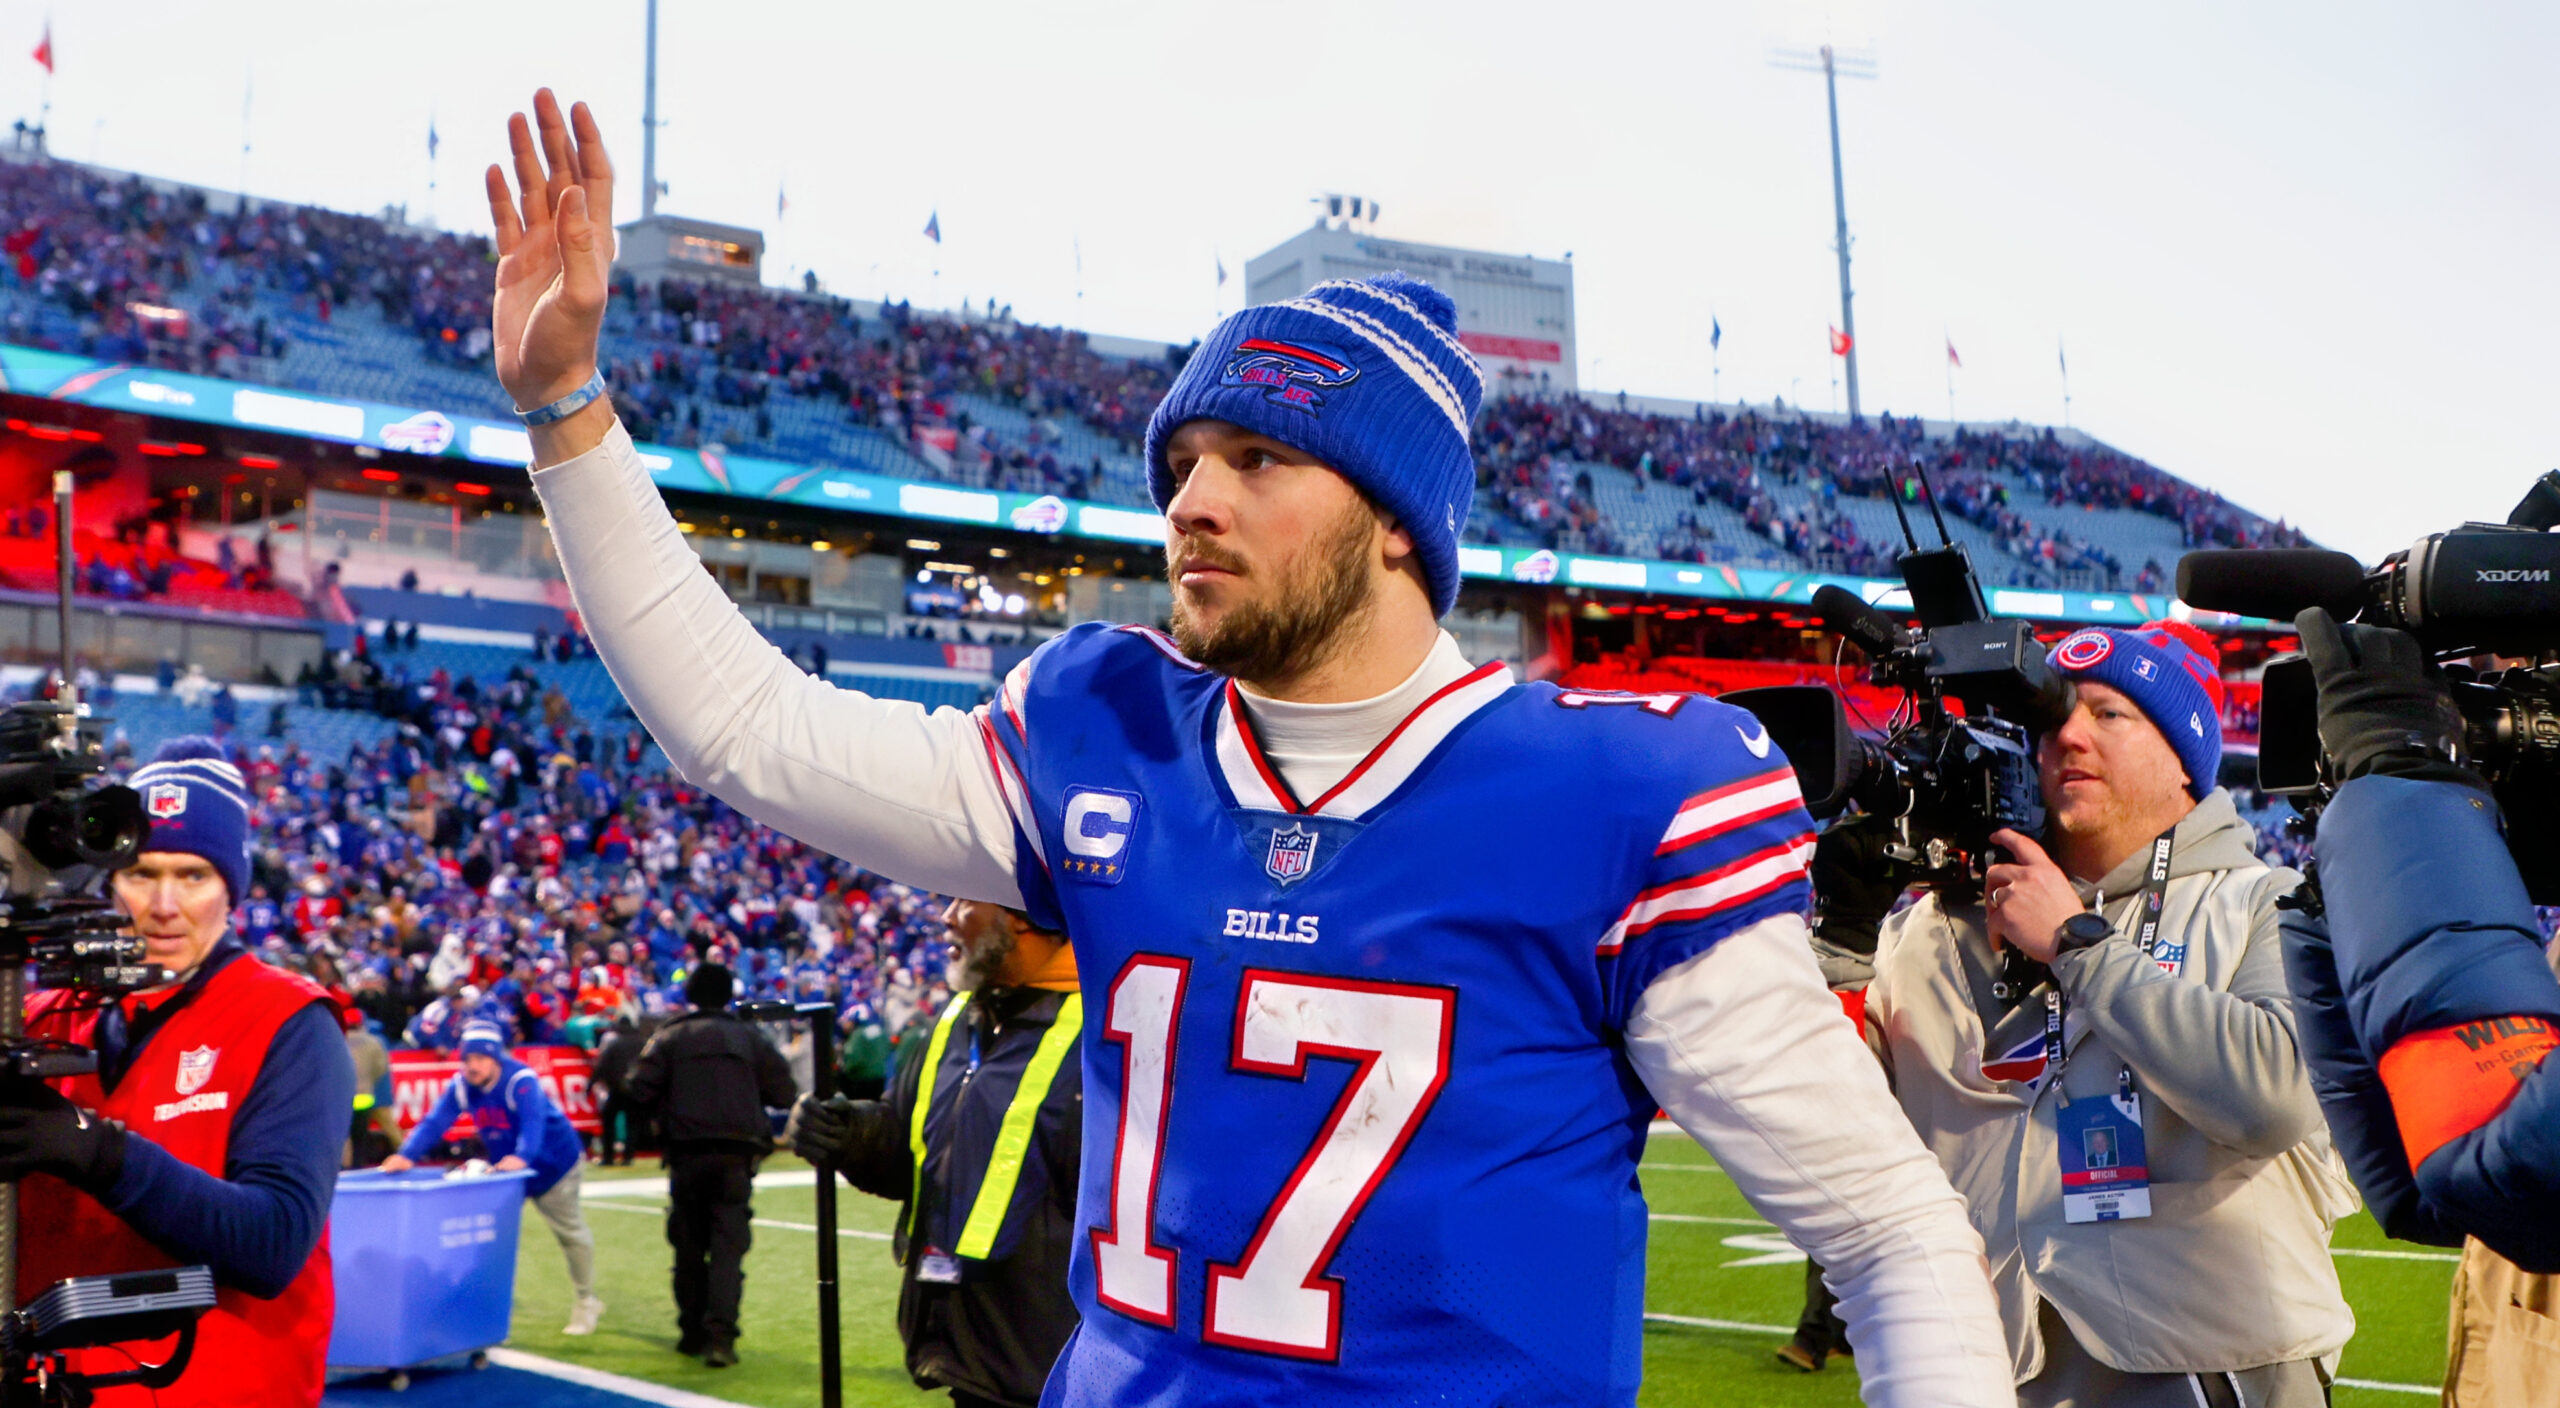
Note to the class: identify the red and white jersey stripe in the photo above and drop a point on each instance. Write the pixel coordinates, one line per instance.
(1728, 808)
(1009, 783)
(1733, 884)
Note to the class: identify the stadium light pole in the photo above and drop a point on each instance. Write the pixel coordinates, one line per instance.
(648, 124)
(1832, 65)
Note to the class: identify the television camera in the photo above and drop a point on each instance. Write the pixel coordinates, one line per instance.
(1957, 760)
(61, 837)
(2483, 599)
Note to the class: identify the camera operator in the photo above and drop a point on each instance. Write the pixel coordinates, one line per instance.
(994, 1108)
(2427, 1006)
(211, 1131)
(2102, 1058)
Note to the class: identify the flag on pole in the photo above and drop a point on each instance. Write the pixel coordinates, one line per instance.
(431, 139)
(1839, 343)
(1952, 359)
(1222, 268)
(781, 202)
(2060, 360)
(44, 47)
(933, 227)
(1715, 334)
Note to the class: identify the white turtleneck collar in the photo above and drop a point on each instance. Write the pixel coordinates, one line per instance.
(1316, 745)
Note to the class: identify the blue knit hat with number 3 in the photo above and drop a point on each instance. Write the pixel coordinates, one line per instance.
(1366, 376)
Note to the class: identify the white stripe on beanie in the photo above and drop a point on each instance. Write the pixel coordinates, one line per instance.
(212, 773)
(1405, 355)
(1456, 348)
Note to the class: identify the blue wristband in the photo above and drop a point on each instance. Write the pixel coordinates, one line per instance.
(568, 405)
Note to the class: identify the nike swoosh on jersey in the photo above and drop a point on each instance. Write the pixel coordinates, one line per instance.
(1759, 746)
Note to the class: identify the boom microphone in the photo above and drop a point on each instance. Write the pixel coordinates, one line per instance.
(2275, 583)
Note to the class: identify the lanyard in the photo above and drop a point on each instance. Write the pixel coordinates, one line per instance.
(2170, 957)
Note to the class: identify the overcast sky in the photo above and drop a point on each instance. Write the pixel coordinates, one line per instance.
(2300, 253)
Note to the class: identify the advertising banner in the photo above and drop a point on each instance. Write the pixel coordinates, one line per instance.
(418, 1079)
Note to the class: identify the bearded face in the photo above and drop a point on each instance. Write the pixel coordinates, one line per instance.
(982, 939)
(1279, 617)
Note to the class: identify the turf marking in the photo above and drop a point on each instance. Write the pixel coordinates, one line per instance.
(764, 1222)
(585, 1377)
(2448, 1258)
(2378, 1386)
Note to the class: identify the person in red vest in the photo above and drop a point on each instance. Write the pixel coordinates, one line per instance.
(210, 1132)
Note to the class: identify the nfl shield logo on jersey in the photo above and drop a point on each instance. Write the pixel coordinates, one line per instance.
(1293, 854)
(165, 800)
(195, 1068)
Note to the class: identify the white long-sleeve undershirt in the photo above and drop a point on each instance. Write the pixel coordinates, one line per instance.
(1743, 1045)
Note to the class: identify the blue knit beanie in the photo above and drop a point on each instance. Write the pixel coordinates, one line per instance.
(484, 1039)
(2173, 673)
(198, 805)
(1366, 376)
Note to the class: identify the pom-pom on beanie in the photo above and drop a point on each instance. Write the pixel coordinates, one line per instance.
(198, 805)
(1366, 376)
(2173, 673)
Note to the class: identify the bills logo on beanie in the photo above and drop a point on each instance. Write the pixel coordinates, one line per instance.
(199, 806)
(2173, 673)
(484, 1039)
(1366, 376)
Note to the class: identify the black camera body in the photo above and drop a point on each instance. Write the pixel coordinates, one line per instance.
(2482, 589)
(1945, 778)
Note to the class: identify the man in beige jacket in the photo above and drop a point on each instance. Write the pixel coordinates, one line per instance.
(2105, 1065)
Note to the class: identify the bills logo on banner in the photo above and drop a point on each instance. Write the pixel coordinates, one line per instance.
(2025, 1062)
(2084, 649)
(1293, 854)
(426, 433)
(1045, 514)
(1539, 566)
(195, 1068)
(165, 800)
(418, 1078)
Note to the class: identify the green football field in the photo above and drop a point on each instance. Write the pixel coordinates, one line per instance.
(1721, 1285)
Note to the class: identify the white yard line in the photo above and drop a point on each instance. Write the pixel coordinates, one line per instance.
(760, 1222)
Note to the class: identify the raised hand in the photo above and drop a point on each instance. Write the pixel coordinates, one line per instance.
(555, 252)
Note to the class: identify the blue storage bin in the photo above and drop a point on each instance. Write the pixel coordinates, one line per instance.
(425, 1266)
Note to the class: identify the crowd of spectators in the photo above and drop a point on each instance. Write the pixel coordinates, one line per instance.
(505, 861)
(703, 364)
(1532, 458)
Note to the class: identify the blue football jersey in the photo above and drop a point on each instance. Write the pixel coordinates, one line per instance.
(1358, 1126)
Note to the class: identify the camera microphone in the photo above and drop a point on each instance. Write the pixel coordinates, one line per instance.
(2274, 583)
(1843, 612)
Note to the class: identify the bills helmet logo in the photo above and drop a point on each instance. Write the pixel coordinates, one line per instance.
(1539, 566)
(1045, 514)
(2084, 649)
(195, 1068)
(426, 433)
(1289, 372)
(1293, 854)
(164, 800)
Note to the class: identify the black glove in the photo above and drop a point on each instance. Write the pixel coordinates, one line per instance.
(1855, 884)
(43, 1132)
(821, 1131)
(2384, 706)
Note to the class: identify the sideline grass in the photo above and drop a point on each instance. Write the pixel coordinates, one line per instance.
(2399, 1302)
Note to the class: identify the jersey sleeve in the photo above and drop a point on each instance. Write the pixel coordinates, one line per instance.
(1732, 851)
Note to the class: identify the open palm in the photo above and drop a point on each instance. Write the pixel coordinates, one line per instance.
(555, 252)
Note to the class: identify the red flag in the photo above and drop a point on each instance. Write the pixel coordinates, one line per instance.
(44, 48)
(1839, 343)
(1952, 359)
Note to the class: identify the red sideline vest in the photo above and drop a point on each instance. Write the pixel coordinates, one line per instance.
(180, 1094)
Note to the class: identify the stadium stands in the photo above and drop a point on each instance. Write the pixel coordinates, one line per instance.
(351, 306)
